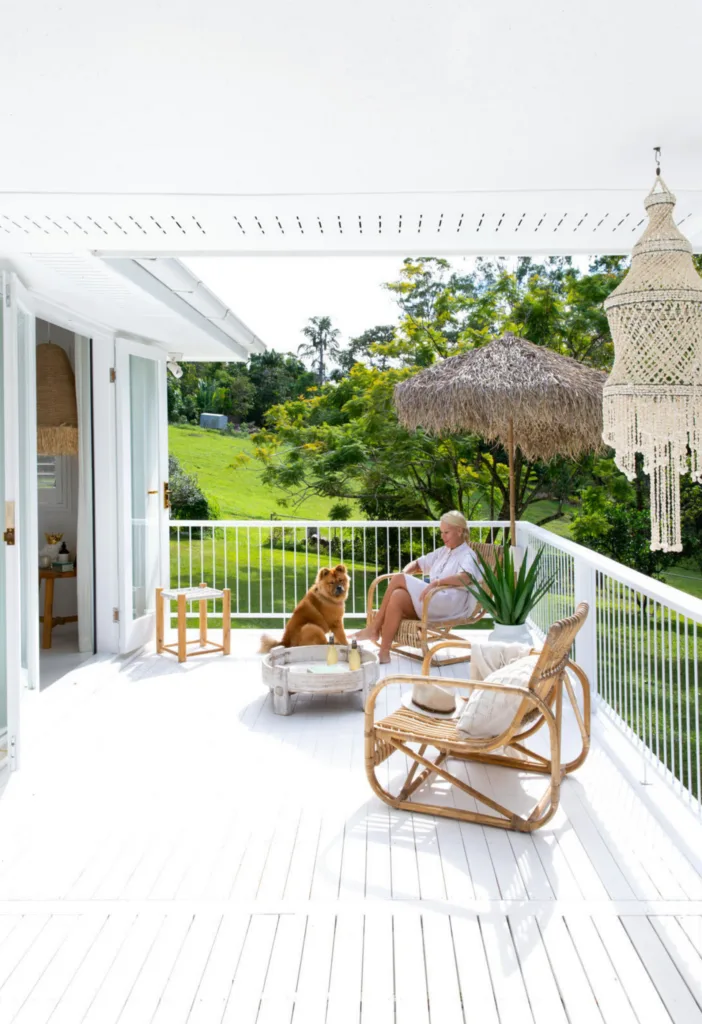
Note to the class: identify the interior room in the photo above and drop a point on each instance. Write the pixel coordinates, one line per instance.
(64, 500)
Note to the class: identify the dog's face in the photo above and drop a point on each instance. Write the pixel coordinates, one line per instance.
(333, 583)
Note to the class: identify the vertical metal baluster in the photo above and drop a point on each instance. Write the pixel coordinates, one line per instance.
(260, 570)
(649, 679)
(178, 550)
(377, 573)
(387, 548)
(365, 570)
(678, 689)
(611, 691)
(202, 556)
(330, 537)
(307, 558)
(282, 534)
(664, 691)
(294, 529)
(236, 567)
(696, 688)
(656, 690)
(190, 555)
(672, 693)
(272, 571)
(687, 710)
(248, 566)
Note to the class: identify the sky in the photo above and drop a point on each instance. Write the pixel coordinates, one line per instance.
(275, 296)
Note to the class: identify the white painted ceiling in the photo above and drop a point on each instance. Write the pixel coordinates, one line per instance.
(204, 97)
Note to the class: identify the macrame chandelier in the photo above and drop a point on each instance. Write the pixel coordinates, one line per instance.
(652, 400)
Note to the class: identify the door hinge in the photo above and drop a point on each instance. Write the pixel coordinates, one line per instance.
(13, 751)
(166, 495)
(9, 536)
(115, 614)
(113, 375)
(7, 295)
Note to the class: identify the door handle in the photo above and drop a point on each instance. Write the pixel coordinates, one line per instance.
(152, 492)
(166, 495)
(9, 534)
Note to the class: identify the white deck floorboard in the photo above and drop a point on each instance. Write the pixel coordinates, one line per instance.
(172, 851)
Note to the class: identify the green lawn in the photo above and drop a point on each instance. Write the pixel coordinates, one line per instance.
(209, 455)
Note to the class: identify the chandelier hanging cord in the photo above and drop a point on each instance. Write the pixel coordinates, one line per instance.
(657, 151)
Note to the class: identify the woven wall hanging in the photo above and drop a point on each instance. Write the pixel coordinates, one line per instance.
(652, 399)
(57, 413)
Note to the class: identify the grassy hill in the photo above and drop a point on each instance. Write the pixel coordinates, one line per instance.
(239, 491)
(241, 494)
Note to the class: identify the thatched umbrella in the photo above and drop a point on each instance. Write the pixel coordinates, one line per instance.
(509, 390)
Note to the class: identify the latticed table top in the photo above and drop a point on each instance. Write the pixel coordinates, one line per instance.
(192, 593)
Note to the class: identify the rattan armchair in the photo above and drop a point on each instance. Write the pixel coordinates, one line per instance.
(414, 637)
(541, 706)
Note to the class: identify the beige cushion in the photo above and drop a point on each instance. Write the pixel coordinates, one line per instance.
(488, 657)
(432, 697)
(489, 712)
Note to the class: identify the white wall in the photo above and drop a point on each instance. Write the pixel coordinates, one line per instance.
(55, 520)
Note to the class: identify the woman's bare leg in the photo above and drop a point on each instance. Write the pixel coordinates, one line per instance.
(373, 632)
(399, 607)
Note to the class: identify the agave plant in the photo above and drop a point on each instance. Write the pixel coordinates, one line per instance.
(506, 596)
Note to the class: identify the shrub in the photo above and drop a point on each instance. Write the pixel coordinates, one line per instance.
(188, 501)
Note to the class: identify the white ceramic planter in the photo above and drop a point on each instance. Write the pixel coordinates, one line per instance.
(511, 634)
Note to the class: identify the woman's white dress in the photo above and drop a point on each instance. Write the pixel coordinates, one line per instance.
(454, 603)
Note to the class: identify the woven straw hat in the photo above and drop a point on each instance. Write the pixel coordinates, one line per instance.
(57, 413)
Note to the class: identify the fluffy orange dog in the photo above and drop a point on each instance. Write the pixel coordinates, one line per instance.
(320, 612)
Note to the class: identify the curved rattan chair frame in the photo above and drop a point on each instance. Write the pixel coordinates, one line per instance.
(541, 706)
(415, 637)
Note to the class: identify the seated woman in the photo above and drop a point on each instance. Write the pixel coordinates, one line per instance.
(453, 564)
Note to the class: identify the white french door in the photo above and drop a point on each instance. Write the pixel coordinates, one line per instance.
(10, 546)
(142, 466)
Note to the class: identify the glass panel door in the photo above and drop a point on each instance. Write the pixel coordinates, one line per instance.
(10, 536)
(145, 479)
(143, 473)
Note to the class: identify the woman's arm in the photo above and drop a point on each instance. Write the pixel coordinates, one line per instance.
(412, 566)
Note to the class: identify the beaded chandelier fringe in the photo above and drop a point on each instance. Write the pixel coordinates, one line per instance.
(652, 399)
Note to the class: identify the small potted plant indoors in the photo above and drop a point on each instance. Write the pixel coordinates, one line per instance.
(508, 596)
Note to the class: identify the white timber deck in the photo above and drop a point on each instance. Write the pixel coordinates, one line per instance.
(171, 851)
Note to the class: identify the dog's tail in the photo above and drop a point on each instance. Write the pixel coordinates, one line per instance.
(268, 643)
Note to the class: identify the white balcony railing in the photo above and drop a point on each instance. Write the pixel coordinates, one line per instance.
(639, 646)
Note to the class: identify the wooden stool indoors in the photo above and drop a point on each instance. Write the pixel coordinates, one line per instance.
(49, 620)
(185, 596)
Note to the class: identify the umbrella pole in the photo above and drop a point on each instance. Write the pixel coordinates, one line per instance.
(512, 486)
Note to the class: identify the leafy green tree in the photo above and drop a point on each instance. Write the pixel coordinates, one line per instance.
(368, 348)
(277, 378)
(235, 397)
(619, 530)
(322, 343)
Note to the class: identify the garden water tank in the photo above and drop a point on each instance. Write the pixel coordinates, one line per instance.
(213, 420)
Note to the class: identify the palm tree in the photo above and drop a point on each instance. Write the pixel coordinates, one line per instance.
(322, 340)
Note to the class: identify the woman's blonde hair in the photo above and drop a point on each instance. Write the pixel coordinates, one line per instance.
(458, 520)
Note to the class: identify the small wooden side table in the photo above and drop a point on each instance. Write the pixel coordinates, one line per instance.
(49, 575)
(184, 596)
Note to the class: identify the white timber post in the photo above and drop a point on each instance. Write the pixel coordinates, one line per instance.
(586, 641)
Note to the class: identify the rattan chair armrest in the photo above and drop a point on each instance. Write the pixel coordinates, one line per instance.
(461, 644)
(379, 579)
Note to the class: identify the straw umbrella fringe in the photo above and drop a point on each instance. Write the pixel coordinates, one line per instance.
(513, 392)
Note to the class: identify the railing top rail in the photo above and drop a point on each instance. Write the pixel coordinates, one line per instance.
(675, 599)
(302, 523)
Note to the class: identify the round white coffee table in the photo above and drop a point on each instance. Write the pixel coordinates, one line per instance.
(288, 670)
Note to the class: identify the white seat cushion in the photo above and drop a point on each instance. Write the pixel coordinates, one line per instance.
(489, 712)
